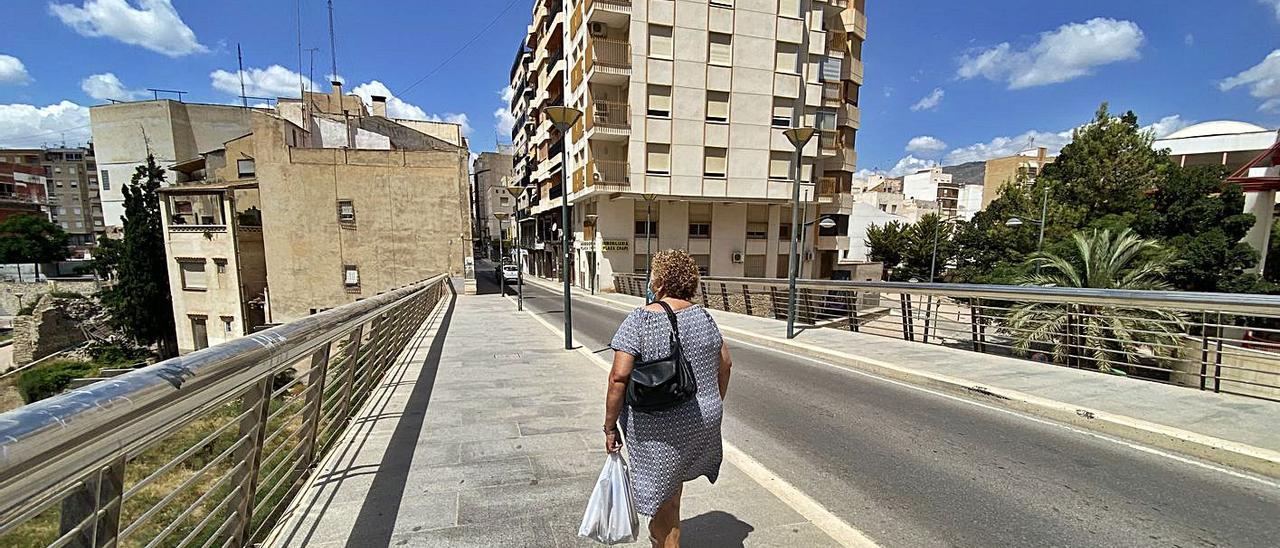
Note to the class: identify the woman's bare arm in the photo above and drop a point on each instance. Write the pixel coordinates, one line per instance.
(618, 377)
(726, 364)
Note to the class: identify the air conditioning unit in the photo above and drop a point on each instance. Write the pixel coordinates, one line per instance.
(598, 29)
(737, 257)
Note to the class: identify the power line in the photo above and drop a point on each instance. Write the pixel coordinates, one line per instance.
(43, 134)
(464, 46)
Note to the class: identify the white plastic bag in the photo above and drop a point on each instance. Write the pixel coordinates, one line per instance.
(611, 513)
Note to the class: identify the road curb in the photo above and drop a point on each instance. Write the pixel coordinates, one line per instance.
(1242, 456)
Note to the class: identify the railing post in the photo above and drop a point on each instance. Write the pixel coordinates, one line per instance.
(928, 315)
(904, 301)
(315, 395)
(354, 341)
(724, 295)
(746, 299)
(975, 309)
(773, 301)
(96, 504)
(808, 306)
(852, 303)
(253, 429)
(702, 288)
(1204, 348)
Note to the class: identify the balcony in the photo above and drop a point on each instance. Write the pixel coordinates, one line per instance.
(613, 12)
(851, 69)
(832, 243)
(614, 174)
(578, 179)
(849, 116)
(844, 159)
(575, 76)
(854, 22)
(608, 120)
(608, 61)
(575, 21)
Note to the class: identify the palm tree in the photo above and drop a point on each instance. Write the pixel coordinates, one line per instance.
(1110, 337)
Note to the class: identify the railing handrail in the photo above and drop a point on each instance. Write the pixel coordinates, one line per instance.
(1235, 303)
(48, 446)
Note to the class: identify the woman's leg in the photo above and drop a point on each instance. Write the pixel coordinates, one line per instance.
(664, 528)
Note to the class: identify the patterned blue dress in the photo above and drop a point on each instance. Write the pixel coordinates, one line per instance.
(670, 447)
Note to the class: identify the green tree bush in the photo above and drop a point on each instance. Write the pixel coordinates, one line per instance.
(32, 239)
(50, 379)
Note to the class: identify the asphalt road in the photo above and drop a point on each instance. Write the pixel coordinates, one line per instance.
(911, 468)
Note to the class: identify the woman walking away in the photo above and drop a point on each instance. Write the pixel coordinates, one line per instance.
(677, 444)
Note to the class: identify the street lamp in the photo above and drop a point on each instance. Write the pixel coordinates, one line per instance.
(799, 137)
(648, 237)
(933, 261)
(515, 192)
(594, 221)
(501, 216)
(1044, 216)
(563, 118)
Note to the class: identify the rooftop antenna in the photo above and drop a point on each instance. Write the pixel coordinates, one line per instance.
(302, 86)
(333, 43)
(244, 101)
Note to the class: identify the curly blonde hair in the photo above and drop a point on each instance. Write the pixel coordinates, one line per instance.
(675, 274)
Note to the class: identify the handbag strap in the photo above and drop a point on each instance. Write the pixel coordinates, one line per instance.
(671, 316)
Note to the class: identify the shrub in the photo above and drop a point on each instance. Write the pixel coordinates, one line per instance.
(27, 309)
(114, 355)
(51, 379)
(66, 295)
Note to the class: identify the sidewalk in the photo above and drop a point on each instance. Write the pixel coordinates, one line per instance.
(487, 433)
(1231, 430)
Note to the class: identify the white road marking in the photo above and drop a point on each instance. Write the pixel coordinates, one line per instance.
(812, 510)
(1129, 444)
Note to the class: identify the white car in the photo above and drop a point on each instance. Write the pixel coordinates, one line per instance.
(510, 274)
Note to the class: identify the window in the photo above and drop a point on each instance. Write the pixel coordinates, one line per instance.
(641, 262)
(720, 49)
(351, 276)
(71, 170)
(220, 265)
(757, 231)
(245, 168)
(106, 180)
(786, 59)
(228, 324)
(193, 275)
(779, 165)
(715, 162)
(658, 159)
(722, 3)
(789, 8)
(717, 106)
(660, 41)
(754, 266)
(346, 211)
(76, 210)
(784, 230)
(704, 264)
(506, 201)
(75, 184)
(782, 111)
(659, 101)
(699, 220)
(196, 209)
(57, 170)
(650, 232)
(700, 231)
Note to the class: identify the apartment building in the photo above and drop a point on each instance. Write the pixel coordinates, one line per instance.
(1000, 172)
(71, 191)
(491, 172)
(681, 143)
(319, 204)
(173, 131)
(23, 188)
(933, 185)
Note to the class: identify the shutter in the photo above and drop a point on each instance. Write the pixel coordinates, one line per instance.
(717, 105)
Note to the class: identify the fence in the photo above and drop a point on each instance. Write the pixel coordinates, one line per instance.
(1227, 343)
(202, 450)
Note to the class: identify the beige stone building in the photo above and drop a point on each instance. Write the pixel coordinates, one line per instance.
(686, 101)
(490, 173)
(1000, 172)
(319, 204)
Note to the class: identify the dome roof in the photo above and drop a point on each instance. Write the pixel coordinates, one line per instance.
(1217, 127)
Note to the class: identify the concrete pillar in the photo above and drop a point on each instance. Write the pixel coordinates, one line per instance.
(1262, 205)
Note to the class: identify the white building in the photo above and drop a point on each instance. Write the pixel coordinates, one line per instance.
(934, 186)
(969, 201)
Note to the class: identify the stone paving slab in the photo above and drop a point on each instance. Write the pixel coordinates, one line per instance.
(1245, 425)
(489, 436)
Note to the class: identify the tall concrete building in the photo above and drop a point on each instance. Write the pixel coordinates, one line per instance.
(1000, 172)
(124, 133)
(933, 185)
(23, 188)
(71, 181)
(490, 173)
(685, 104)
(317, 205)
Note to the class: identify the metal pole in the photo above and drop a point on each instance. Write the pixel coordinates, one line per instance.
(648, 247)
(933, 263)
(502, 287)
(1044, 218)
(798, 116)
(564, 239)
(519, 267)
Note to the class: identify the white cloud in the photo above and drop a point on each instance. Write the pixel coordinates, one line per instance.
(1189, 39)
(24, 125)
(910, 164)
(399, 108)
(12, 71)
(508, 93)
(1000, 147)
(1275, 4)
(454, 118)
(1071, 51)
(1167, 125)
(930, 101)
(154, 24)
(926, 144)
(505, 121)
(1263, 81)
(107, 86)
(273, 81)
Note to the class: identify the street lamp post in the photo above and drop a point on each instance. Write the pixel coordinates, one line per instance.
(594, 221)
(1044, 217)
(799, 136)
(515, 192)
(648, 237)
(502, 278)
(563, 118)
(933, 261)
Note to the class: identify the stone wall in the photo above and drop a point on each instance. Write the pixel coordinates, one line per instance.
(10, 302)
(47, 330)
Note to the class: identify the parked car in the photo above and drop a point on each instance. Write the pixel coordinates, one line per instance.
(511, 274)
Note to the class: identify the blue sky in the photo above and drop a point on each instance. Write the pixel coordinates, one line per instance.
(944, 81)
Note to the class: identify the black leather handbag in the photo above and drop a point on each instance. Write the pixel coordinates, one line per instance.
(665, 383)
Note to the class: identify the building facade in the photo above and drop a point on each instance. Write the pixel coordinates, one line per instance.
(71, 191)
(172, 131)
(491, 171)
(23, 187)
(933, 185)
(311, 209)
(681, 142)
(1001, 172)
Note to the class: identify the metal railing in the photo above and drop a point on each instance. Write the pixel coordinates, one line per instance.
(1227, 343)
(613, 54)
(609, 172)
(206, 449)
